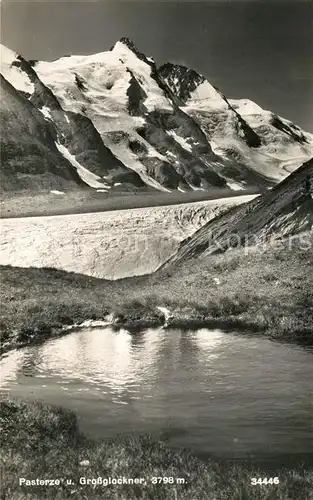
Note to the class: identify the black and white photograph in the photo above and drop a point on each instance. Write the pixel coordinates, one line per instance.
(156, 274)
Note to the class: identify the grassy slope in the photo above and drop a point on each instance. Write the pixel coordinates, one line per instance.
(40, 441)
(287, 209)
(270, 290)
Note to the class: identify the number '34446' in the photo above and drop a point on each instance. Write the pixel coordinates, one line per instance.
(264, 480)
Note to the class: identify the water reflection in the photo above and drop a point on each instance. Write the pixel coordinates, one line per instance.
(10, 366)
(29, 363)
(114, 357)
(96, 357)
(207, 342)
(213, 392)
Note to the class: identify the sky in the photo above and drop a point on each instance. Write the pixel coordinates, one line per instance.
(256, 49)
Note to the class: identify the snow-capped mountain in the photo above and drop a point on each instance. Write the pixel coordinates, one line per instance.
(75, 141)
(117, 119)
(241, 129)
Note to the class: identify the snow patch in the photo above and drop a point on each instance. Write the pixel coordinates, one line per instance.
(91, 323)
(84, 463)
(46, 112)
(55, 191)
(88, 177)
(216, 148)
(205, 95)
(235, 186)
(166, 313)
(169, 153)
(247, 107)
(195, 188)
(180, 140)
(153, 153)
(18, 78)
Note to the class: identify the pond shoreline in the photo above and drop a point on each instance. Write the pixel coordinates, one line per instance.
(227, 325)
(61, 450)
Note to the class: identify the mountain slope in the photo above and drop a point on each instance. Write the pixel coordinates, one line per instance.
(74, 135)
(119, 120)
(284, 211)
(29, 156)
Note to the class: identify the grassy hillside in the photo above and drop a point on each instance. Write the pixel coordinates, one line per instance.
(285, 210)
(40, 441)
(269, 289)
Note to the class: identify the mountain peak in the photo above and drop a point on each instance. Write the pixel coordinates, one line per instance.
(127, 42)
(184, 81)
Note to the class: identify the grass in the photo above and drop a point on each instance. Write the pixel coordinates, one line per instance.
(270, 292)
(42, 441)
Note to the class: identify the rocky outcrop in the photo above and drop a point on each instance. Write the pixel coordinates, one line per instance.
(29, 157)
(284, 211)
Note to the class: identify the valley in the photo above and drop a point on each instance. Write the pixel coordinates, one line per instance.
(215, 262)
(109, 244)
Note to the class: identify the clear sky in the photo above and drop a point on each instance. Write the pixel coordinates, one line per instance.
(258, 49)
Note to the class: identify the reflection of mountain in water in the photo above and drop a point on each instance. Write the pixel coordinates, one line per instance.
(223, 394)
(116, 358)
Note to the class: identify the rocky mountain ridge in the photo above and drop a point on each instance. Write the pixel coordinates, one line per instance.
(284, 211)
